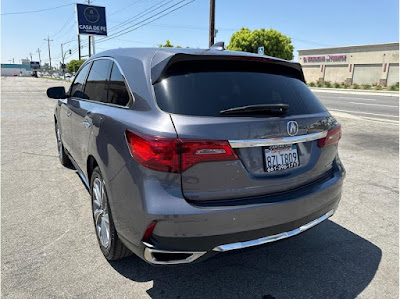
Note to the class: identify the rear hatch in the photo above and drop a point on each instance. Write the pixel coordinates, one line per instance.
(262, 109)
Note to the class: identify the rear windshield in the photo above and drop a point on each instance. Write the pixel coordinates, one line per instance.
(205, 91)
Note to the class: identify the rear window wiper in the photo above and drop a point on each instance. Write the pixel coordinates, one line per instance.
(270, 109)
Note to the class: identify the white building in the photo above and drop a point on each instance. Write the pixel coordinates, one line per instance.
(367, 64)
(10, 69)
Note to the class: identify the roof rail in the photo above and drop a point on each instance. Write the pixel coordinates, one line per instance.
(220, 46)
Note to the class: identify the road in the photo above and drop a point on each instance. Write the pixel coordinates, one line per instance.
(366, 105)
(49, 248)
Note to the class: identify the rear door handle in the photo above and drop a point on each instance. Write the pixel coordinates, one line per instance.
(87, 124)
(69, 113)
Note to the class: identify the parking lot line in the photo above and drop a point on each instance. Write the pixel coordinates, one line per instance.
(351, 98)
(359, 112)
(383, 105)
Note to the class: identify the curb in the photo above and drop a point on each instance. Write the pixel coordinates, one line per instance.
(356, 91)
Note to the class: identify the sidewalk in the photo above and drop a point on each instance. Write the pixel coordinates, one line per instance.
(386, 93)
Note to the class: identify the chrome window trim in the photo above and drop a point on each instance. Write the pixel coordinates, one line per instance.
(273, 238)
(277, 141)
(130, 104)
(84, 80)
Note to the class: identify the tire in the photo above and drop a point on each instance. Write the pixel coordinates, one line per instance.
(110, 244)
(62, 155)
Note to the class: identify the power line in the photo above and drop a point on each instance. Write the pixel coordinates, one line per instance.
(132, 27)
(125, 7)
(65, 25)
(192, 27)
(138, 16)
(34, 11)
(128, 29)
(141, 14)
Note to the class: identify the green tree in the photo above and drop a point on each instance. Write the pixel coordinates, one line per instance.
(168, 45)
(275, 43)
(74, 65)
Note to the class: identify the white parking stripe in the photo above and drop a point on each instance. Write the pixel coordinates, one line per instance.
(383, 105)
(352, 98)
(368, 113)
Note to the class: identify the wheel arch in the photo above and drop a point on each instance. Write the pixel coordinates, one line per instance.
(90, 166)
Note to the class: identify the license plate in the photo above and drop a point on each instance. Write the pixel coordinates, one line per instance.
(281, 157)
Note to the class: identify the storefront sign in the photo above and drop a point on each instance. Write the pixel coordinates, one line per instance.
(327, 58)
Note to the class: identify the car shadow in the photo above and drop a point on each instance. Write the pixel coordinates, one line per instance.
(327, 261)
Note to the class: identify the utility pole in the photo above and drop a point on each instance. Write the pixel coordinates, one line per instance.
(90, 38)
(40, 61)
(30, 55)
(79, 47)
(90, 47)
(212, 23)
(48, 44)
(62, 60)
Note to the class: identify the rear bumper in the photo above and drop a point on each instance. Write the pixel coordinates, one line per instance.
(193, 232)
(150, 253)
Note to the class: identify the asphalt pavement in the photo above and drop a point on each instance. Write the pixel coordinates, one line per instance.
(377, 106)
(49, 248)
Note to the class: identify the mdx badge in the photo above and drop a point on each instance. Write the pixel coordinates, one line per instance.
(292, 128)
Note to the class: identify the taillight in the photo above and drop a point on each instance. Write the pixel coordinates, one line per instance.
(197, 151)
(333, 136)
(176, 154)
(156, 153)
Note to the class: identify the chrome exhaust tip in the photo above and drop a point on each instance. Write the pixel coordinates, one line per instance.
(167, 257)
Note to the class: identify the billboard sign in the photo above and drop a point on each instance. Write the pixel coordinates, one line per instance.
(91, 19)
(35, 65)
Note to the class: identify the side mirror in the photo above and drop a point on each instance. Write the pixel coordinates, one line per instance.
(56, 92)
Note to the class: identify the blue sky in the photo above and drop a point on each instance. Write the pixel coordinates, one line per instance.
(310, 24)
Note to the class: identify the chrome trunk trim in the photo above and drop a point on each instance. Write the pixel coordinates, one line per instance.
(148, 255)
(269, 239)
(278, 140)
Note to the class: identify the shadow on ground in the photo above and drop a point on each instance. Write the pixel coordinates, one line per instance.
(327, 261)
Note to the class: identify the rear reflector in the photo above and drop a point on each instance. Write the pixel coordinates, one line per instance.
(176, 154)
(149, 231)
(333, 136)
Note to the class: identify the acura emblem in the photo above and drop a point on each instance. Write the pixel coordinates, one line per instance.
(292, 128)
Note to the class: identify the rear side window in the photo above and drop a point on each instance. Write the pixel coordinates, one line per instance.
(117, 91)
(207, 91)
(77, 86)
(97, 81)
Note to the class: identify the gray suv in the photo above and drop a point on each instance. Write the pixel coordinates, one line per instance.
(189, 152)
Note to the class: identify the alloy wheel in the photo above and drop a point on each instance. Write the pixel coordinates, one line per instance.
(100, 212)
(59, 144)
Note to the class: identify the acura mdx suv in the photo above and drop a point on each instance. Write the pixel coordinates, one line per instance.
(189, 152)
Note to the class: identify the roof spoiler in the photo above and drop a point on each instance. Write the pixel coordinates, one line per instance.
(159, 70)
